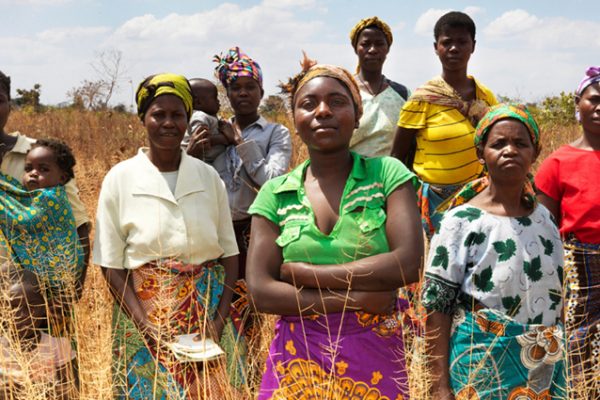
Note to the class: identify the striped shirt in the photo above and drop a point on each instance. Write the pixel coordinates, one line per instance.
(445, 151)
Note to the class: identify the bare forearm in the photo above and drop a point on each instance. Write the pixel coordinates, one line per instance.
(231, 275)
(84, 240)
(284, 299)
(402, 142)
(438, 343)
(376, 273)
(121, 289)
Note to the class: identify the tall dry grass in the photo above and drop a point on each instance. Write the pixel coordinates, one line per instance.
(100, 140)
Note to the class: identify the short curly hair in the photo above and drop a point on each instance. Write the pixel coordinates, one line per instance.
(5, 84)
(63, 153)
(454, 19)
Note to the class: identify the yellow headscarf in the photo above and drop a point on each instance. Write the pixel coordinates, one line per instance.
(160, 84)
(373, 21)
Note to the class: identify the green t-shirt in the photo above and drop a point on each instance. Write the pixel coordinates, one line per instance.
(360, 229)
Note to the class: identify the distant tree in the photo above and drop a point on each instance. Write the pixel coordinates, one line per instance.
(29, 97)
(89, 95)
(120, 108)
(558, 109)
(96, 94)
(273, 105)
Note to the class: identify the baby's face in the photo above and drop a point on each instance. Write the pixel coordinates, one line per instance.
(42, 170)
(208, 99)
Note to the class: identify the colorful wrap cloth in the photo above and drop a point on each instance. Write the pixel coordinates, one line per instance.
(370, 23)
(494, 357)
(429, 200)
(316, 358)
(178, 299)
(438, 91)
(582, 316)
(161, 84)
(497, 113)
(236, 64)
(39, 230)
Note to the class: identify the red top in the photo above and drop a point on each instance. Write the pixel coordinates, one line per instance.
(571, 176)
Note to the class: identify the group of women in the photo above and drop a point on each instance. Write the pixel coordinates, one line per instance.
(333, 240)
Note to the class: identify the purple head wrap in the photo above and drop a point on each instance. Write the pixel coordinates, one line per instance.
(592, 75)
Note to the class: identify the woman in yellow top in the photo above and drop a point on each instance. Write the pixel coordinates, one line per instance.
(441, 116)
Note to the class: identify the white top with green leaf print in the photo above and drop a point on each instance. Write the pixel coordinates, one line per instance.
(513, 265)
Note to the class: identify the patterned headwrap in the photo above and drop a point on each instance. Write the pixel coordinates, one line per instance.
(311, 70)
(160, 84)
(592, 75)
(370, 22)
(506, 111)
(497, 113)
(236, 64)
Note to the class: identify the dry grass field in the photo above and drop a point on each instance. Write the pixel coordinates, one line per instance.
(100, 140)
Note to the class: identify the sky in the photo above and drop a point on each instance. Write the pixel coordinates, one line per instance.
(526, 50)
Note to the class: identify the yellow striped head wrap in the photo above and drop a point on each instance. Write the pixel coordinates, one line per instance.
(161, 84)
(367, 23)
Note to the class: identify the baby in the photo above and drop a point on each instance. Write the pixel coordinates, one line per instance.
(206, 106)
(28, 356)
(38, 225)
(49, 163)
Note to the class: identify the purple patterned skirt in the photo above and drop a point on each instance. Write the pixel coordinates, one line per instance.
(352, 355)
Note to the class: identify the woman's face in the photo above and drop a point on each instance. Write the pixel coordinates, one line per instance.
(244, 95)
(324, 114)
(4, 109)
(166, 122)
(454, 47)
(588, 105)
(509, 151)
(372, 49)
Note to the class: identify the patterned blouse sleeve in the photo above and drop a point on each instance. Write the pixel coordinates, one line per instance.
(446, 265)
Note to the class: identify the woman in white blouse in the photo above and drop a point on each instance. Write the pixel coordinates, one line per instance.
(166, 245)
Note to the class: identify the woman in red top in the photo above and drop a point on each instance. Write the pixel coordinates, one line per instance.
(568, 184)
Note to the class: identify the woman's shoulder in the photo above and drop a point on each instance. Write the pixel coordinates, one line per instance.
(484, 93)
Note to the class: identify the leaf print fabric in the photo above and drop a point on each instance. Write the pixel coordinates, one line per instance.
(503, 263)
(505, 250)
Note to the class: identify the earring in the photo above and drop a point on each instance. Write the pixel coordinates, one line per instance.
(481, 161)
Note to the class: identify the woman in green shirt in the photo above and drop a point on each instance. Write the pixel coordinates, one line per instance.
(331, 243)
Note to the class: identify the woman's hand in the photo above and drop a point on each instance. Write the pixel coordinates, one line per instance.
(214, 330)
(381, 303)
(231, 134)
(442, 393)
(199, 143)
(290, 271)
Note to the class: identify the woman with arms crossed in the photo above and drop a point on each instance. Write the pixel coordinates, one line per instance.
(331, 243)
